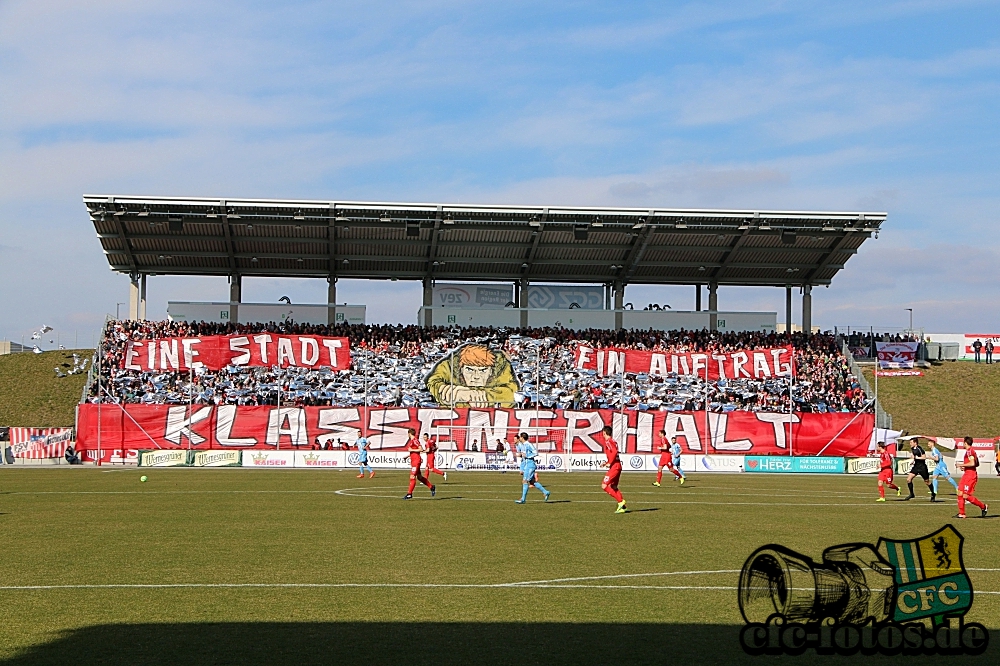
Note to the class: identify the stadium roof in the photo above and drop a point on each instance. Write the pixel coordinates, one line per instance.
(382, 240)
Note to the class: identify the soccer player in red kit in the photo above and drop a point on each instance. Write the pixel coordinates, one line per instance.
(614, 465)
(413, 448)
(666, 459)
(430, 451)
(885, 472)
(967, 485)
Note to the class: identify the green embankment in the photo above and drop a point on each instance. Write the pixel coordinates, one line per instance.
(950, 400)
(31, 395)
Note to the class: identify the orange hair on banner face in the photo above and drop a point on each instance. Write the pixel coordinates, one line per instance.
(477, 356)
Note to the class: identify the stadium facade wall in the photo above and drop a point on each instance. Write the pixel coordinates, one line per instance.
(580, 319)
(264, 312)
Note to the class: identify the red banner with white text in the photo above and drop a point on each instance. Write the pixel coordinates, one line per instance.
(741, 364)
(215, 352)
(268, 427)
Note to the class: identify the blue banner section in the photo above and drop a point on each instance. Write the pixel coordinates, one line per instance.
(794, 464)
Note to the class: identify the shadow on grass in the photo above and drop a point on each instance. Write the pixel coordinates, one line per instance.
(412, 644)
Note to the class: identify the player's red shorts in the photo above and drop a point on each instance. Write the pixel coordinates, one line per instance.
(611, 478)
(666, 460)
(968, 482)
(885, 475)
(414, 463)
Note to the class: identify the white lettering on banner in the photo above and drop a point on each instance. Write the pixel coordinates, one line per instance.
(682, 425)
(658, 365)
(717, 424)
(285, 352)
(616, 363)
(781, 369)
(262, 342)
(242, 345)
(482, 425)
(739, 360)
(295, 417)
(385, 436)
(310, 351)
(644, 434)
(526, 416)
(332, 346)
(620, 430)
(721, 362)
(151, 354)
(330, 420)
(427, 417)
(179, 425)
(760, 367)
(190, 352)
(169, 358)
(779, 421)
(225, 417)
(130, 353)
(584, 358)
(594, 426)
(699, 362)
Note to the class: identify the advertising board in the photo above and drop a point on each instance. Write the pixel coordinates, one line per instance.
(794, 465)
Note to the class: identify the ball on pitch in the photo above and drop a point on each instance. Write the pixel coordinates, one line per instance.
(143, 479)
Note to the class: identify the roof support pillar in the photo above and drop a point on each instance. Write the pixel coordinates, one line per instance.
(788, 309)
(697, 298)
(235, 297)
(607, 296)
(428, 303)
(713, 306)
(807, 309)
(133, 296)
(522, 302)
(619, 304)
(142, 297)
(331, 300)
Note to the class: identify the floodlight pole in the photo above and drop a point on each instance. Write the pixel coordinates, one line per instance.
(277, 441)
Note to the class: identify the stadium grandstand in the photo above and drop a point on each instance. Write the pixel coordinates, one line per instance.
(546, 362)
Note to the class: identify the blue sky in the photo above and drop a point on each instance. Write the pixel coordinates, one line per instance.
(806, 105)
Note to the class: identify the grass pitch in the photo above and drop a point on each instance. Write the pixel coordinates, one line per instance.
(31, 395)
(239, 566)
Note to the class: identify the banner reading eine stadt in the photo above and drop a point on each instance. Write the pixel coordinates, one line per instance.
(232, 427)
(747, 363)
(215, 352)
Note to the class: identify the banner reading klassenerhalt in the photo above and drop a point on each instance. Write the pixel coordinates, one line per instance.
(267, 427)
(215, 352)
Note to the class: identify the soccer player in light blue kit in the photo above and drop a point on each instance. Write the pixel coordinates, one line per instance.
(363, 458)
(940, 468)
(529, 463)
(675, 453)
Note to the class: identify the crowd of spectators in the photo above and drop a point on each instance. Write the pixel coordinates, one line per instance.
(389, 365)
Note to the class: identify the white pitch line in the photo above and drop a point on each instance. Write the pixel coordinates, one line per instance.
(635, 575)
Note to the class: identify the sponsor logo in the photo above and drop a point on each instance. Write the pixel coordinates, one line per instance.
(863, 465)
(209, 458)
(555, 462)
(897, 597)
(585, 462)
(164, 458)
(635, 462)
(353, 458)
(264, 460)
(722, 463)
(752, 463)
(313, 460)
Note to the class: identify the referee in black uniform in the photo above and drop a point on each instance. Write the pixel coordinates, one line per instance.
(919, 469)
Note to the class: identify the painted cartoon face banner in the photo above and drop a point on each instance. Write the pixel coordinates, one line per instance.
(743, 364)
(473, 376)
(215, 352)
(266, 427)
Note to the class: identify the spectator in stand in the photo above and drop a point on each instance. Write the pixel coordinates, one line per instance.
(977, 347)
